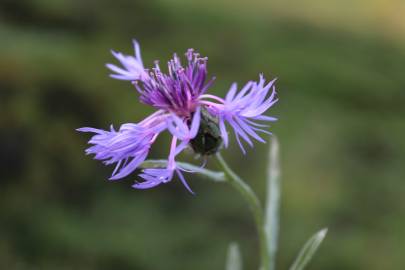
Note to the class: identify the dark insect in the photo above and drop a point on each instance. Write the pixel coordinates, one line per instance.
(208, 139)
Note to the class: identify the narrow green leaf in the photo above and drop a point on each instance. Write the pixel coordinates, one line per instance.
(271, 222)
(161, 163)
(234, 258)
(309, 249)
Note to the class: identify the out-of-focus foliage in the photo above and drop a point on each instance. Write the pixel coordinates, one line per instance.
(341, 130)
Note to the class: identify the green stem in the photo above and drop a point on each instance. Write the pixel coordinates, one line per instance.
(254, 205)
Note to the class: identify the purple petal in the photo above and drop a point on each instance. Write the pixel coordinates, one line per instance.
(232, 91)
(195, 123)
(183, 180)
(130, 167)
(224, 133)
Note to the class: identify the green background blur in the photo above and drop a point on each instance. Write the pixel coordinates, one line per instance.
(341, 81)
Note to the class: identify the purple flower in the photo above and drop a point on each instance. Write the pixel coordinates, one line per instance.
(239, 110)
(185, 110)
(133, 66)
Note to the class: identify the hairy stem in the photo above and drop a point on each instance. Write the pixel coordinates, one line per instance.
(254, 205)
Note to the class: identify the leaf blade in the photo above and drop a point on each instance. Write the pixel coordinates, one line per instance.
(234, 258)
(308, 250)
(271, 221)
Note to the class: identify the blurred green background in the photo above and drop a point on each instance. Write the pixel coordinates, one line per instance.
(341, 86)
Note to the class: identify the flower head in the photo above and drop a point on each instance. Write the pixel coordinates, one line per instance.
(184, 109)
(179, 90)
